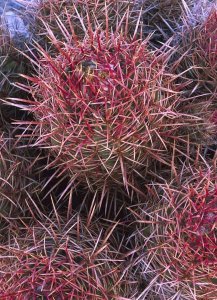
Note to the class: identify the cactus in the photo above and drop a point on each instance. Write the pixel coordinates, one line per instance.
(179, 251)
(108, 110)
(198, 56)
(17, 182)
(59, 258)
(82, 14)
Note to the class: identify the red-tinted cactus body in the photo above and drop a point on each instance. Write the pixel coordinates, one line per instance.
(200, 228)
(61, 259)
(108, 111)
(181, 248)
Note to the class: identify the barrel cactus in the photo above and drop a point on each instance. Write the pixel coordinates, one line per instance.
(179, 250)
(108, 110)
(82, 14)
(59, 258)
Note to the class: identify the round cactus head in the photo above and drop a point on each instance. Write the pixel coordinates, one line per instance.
(60, 259)
(108, 110)
(181, 247)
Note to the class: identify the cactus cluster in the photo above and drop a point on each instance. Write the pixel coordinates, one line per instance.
(108, 183)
